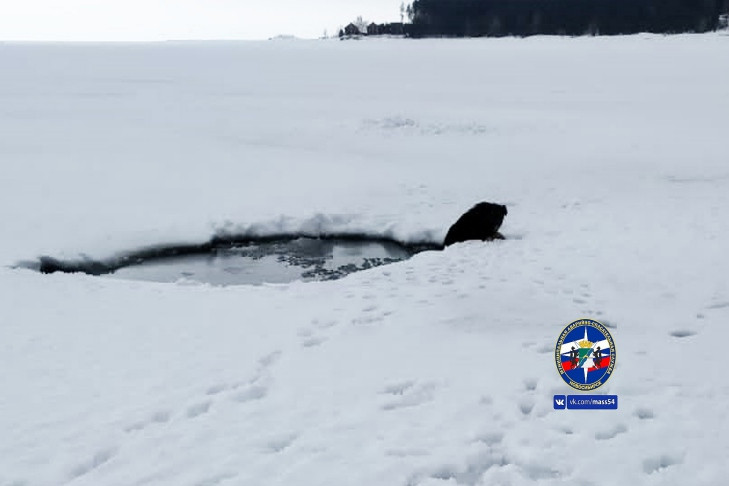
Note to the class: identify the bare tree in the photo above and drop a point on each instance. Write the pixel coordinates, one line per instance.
(361, 24)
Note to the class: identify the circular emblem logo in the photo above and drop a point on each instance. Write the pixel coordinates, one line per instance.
(585, 354)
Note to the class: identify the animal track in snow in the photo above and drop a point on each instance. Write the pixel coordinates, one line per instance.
(644, 413)
(398, 388)
(324, 324)
(215, 389)
(313, 341)
(370, 318)
(566, 430)
(682, 333)
(490, 438)
(545, 348)
(199, 409)
(278, 444)
(720, 305)
(406, 452)
(608, 324)
(526, 405)
(159, 417)
(269, 359)
(216, 479)
(99, 459)
(664, 461)
(252, 392)
(474, 469)
(411, 396)
(611, 433)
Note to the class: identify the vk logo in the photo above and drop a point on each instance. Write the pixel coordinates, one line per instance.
(560, 402)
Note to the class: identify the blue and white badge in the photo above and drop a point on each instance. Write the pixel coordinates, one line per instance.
(585, 354)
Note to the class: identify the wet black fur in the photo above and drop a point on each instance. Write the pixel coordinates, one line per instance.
(481, 222)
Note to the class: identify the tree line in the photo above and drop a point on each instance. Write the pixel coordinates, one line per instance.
(473, 18)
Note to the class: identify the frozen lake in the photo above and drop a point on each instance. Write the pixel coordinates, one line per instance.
(435, 370)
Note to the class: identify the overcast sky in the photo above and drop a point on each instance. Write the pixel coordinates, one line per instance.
(139, 20)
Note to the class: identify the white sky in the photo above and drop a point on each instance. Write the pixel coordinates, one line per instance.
(139, 20)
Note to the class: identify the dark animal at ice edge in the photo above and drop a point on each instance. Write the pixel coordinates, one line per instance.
(481, 222)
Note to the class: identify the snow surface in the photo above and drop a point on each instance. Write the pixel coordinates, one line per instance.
(611, 154)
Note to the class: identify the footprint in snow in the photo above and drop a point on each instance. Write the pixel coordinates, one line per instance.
(530, 384)
(398, 388)
(251, 393)
(490, 438)
(526, 405)
(199, 409)
(269, 359)
(309, 339)
(99, 459)
(215, 389)
(659, 463)
(644, 413)
(216, 479)
(611, 433)
(158, 417)
(313, 341)
(720, 305)
(279, 443)
(411, 396)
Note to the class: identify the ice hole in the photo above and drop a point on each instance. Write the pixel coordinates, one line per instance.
(304, 259)
(244, 261)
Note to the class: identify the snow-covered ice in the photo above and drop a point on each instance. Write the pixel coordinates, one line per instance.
(611, 154)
